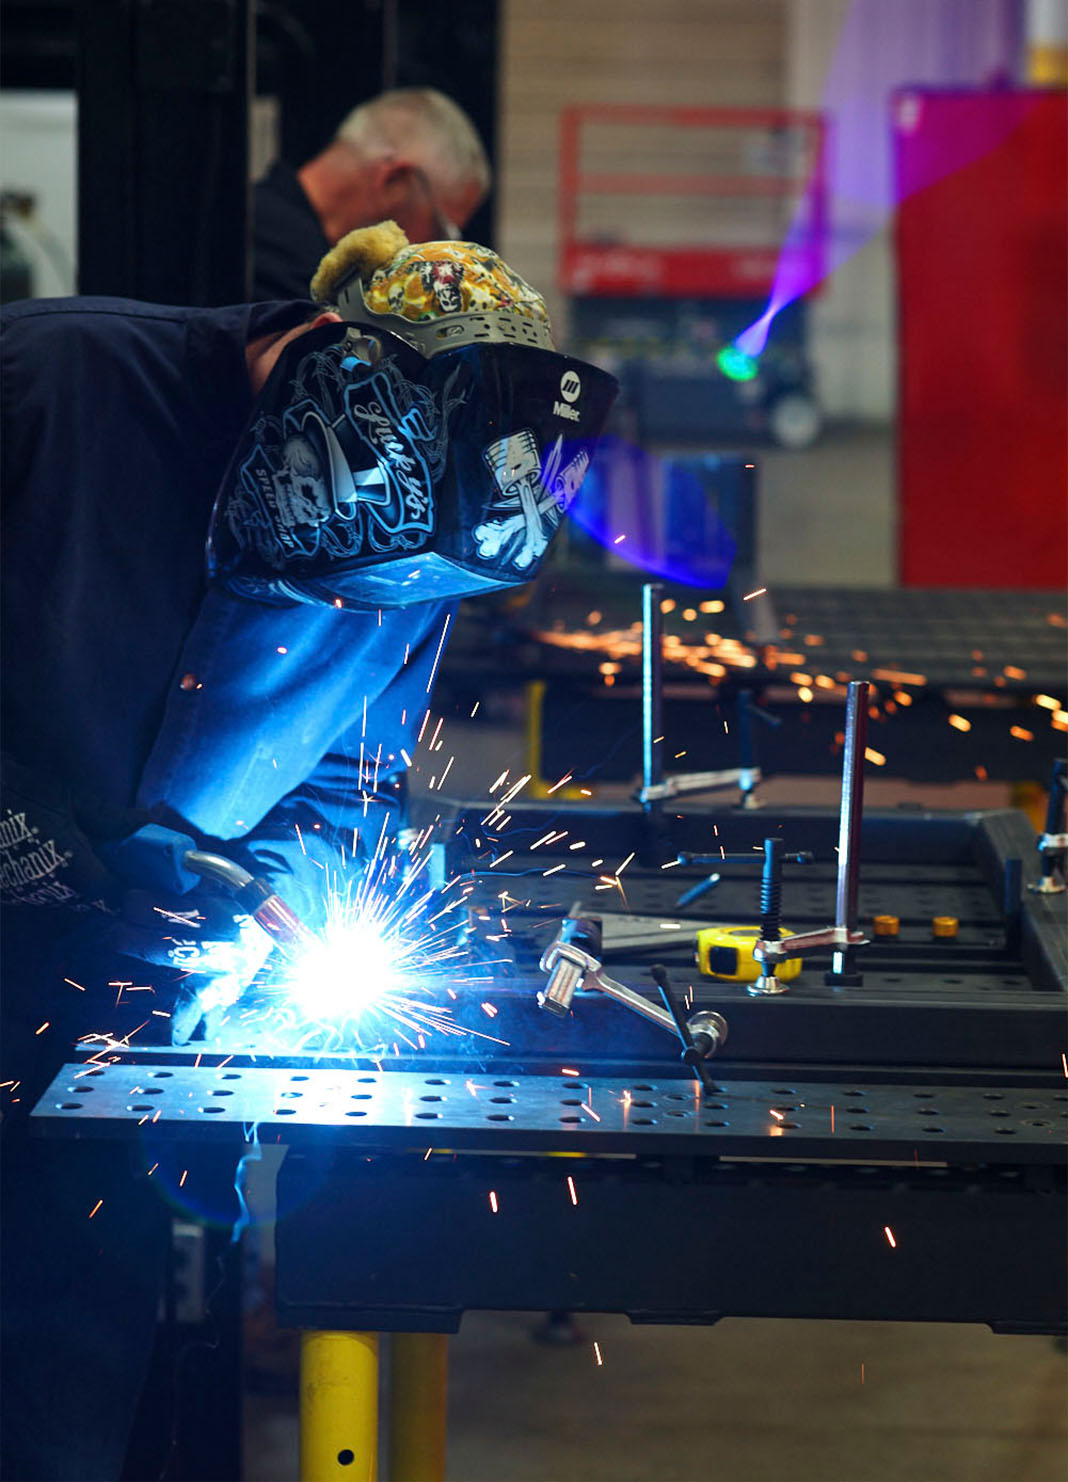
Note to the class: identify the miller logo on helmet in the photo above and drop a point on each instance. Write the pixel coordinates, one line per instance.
(392, 460)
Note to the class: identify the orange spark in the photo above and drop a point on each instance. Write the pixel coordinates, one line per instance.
(597, 1355)
(890, 1236)
(1021, 733)
(73, 984)
(959, 723)
(565, 1071)
(43, 1027)
(493, 1201)
(185, 1175)
(571, 1189)
(95, 1207)
(876, 757)
(758, 593)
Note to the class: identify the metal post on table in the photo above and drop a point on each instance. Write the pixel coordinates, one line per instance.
(419, 1376)
(843, 972)
(652, 691)
(338, 1406)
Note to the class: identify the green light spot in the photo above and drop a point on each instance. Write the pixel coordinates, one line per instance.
(735, 364)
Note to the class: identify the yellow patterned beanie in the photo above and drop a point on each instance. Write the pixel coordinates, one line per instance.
(423, 282)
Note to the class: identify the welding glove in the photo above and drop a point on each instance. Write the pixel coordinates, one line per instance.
(218, 947)
(60, 846)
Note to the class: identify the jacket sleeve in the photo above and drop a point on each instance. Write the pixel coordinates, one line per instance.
(319, 838)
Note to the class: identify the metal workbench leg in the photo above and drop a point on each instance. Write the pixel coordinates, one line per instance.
(338, 1406)
(419, 1372)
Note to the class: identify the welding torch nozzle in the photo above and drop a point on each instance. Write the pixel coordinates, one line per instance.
(264, 905)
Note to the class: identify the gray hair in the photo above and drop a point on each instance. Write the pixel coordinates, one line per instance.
(428, 125)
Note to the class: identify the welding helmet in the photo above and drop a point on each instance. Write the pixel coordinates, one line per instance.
(423, 449)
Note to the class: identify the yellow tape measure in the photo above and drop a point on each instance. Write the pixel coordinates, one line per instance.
(726, 952)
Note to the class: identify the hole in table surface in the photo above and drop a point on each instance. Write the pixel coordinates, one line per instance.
(709, 1123)
(289, 1095)
(80, 1090)
(431, 1098)
(854, 1127)
(360, 1096)
(502, 1100)
(506, 1083)
(230, 1075)
(160, 1075)
(428, 1116)
(355, 1113)
(499, 1117)
(643, 1121)
(230, 1093)
(212, 1111)
(571, 1119)
(285, 1111)
(933, 1129)
(298, 1077)
(69, 1105)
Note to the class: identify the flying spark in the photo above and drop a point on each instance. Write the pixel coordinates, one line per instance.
(493, 1201)
(890, 1236)
(571, 1189)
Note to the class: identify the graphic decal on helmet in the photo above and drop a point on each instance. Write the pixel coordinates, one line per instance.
(533, 498)
(348, 469)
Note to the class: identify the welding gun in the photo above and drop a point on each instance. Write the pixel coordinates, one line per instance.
(167, 860)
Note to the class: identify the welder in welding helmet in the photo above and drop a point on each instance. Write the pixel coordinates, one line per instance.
(422, 449)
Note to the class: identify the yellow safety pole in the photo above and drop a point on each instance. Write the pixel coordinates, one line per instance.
(338, 1406)
(419, 1375)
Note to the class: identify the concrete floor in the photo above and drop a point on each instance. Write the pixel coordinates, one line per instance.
(745, 1401)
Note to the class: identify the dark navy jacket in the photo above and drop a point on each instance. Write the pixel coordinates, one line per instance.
(123, 674)
(288, 242)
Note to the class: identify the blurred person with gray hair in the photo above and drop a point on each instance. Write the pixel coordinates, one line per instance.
(410, 155)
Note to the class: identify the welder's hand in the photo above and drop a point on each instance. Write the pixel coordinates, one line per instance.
(201, 934)
(47, 856)
(63, 847)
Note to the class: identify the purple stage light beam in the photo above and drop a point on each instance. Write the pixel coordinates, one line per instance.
(886, 47)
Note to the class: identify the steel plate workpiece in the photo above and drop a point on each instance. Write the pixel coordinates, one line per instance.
(840, 1119)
